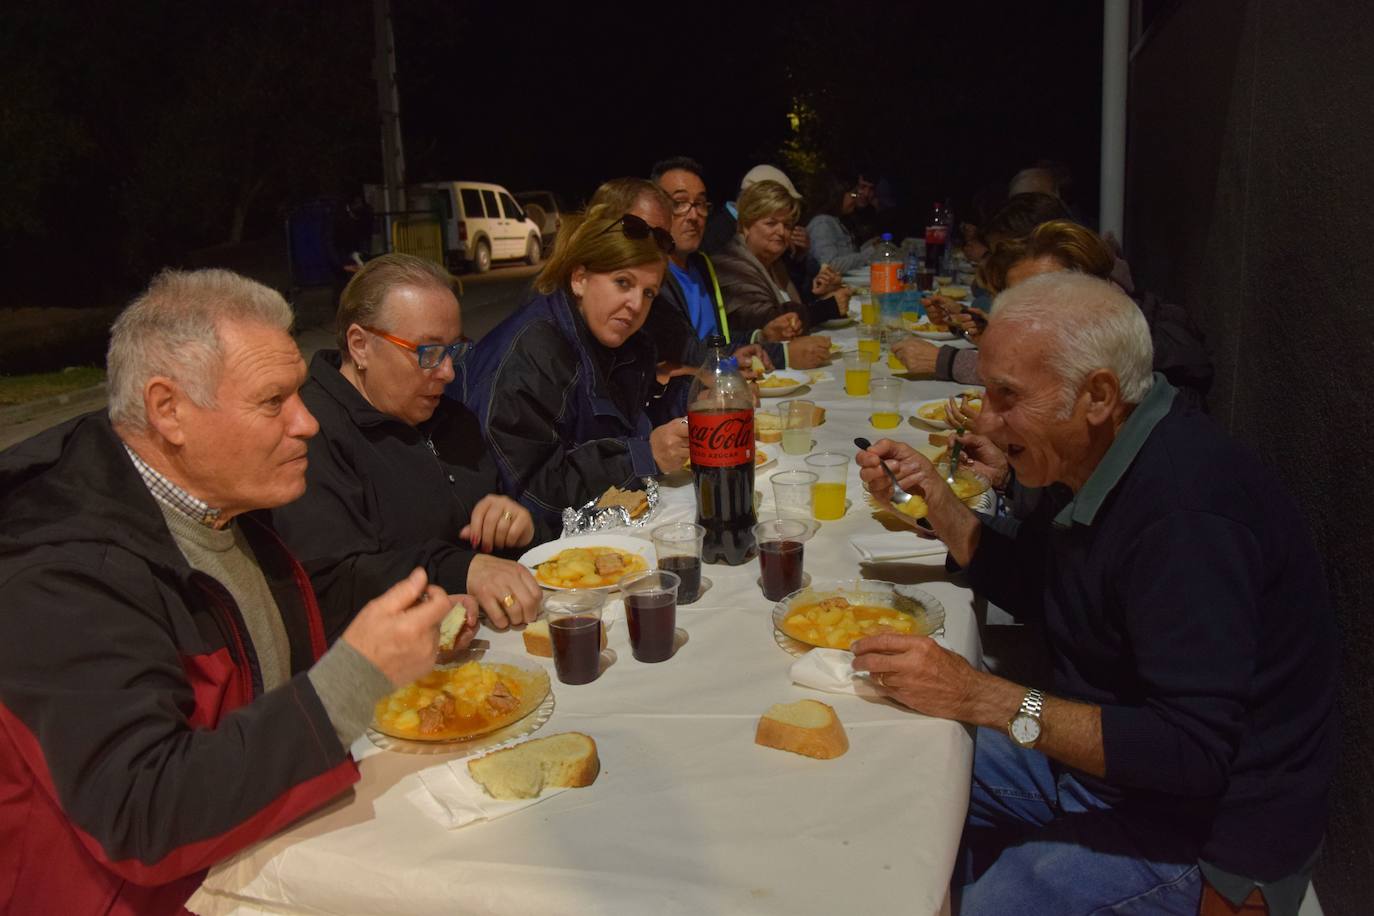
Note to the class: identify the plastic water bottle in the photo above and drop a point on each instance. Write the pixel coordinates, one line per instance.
(885, 267)
(884, 271)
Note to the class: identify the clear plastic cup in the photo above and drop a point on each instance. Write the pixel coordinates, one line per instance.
(885, 396)
(782, 555)
(575, 631)
(828, 492)
(857, 373)
(678, 548)
(796, 417)
(871, 342)
(651, 614)
(792, 493)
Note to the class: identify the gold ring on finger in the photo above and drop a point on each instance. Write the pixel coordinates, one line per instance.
(508, 601)
(507, 516)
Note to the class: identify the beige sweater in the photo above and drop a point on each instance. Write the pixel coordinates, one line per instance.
(347, 684)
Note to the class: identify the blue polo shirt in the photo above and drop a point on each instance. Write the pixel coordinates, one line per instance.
(701, 308)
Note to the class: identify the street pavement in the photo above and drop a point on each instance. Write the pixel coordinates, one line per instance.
(486, 300)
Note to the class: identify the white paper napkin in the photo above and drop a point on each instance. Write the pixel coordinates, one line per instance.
(831, 670)
(449, 795)
(896, 545)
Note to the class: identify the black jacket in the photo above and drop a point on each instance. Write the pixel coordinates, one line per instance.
(1180, 349)
(564, 417)
(382, 496)
(137, 745)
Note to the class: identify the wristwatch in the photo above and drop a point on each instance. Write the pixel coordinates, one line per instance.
(1026, 727)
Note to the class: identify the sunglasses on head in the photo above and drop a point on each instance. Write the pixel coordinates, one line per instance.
(635, 228)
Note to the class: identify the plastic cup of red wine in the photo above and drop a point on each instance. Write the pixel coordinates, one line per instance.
(678, 548)
(781, 555)
(651, 613)
(575, 631)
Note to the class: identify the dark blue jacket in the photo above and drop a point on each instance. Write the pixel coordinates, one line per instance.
(1182, 594)
(564, 416)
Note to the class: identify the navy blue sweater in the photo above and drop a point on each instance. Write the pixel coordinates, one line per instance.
(1187, 600)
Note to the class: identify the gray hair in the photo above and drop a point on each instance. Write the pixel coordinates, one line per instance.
(1092, 325)
(172, 330)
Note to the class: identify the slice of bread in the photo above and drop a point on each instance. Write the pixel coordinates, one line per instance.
(817, 415)
(539, 642)
(767, 426)
(451, 626)
(636, 502)
(806, 727)
(523, 771)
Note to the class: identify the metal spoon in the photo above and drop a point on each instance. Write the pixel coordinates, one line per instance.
(954, 457)
(899, 496)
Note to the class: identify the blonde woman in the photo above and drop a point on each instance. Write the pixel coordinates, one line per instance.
(560, 386)
(760, 298)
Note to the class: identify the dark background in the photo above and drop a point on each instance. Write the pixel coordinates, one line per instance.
(138, 132)
(145, 133)
(1249, 199)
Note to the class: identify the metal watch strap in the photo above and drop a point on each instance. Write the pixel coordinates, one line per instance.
(1032, 703)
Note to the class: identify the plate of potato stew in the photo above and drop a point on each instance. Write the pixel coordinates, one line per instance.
(590, 561)
(834, 615)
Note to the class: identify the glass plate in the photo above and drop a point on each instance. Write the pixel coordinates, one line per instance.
(906, 599)
(531, 722)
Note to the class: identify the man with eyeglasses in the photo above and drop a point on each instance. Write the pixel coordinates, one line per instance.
(689, 308)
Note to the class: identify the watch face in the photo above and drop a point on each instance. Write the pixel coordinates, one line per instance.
(1025, 729)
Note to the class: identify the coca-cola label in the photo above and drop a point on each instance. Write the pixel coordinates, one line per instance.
(937, 235)
(721, 439)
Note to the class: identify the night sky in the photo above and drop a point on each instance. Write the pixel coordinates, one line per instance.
(136, 134)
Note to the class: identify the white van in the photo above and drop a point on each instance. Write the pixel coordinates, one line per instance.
(482, 222)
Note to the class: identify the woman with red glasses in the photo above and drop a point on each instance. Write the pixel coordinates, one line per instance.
(561, 386)
(399, 476)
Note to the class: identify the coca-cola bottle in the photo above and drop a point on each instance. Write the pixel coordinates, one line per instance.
(937, 237)
(720, 420)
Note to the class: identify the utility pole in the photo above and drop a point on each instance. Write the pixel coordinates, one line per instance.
(389, 111)
(1116, 28)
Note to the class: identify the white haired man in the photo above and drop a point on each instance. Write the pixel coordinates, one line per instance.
(166, 694)
(1189, 734)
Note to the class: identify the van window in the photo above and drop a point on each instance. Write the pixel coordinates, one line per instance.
(489, 198)
(472, 204)
(511, 207)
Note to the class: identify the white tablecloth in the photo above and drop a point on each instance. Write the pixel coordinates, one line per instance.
(688, 815)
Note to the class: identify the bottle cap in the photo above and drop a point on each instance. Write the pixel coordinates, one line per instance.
(715, 340)
(887, 236)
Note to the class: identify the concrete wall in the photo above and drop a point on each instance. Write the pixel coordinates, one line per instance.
(1250, 199)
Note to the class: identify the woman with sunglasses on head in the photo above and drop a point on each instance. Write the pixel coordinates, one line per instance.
(561, 385)
(398, 475)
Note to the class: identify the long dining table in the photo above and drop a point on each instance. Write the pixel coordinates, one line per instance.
(688, 815)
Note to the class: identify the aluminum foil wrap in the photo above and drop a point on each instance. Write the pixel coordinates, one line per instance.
(590, 518)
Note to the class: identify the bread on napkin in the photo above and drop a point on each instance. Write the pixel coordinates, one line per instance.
(523, 771)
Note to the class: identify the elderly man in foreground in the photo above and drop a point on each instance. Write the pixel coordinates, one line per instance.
(166, 695)
(1189, 733)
